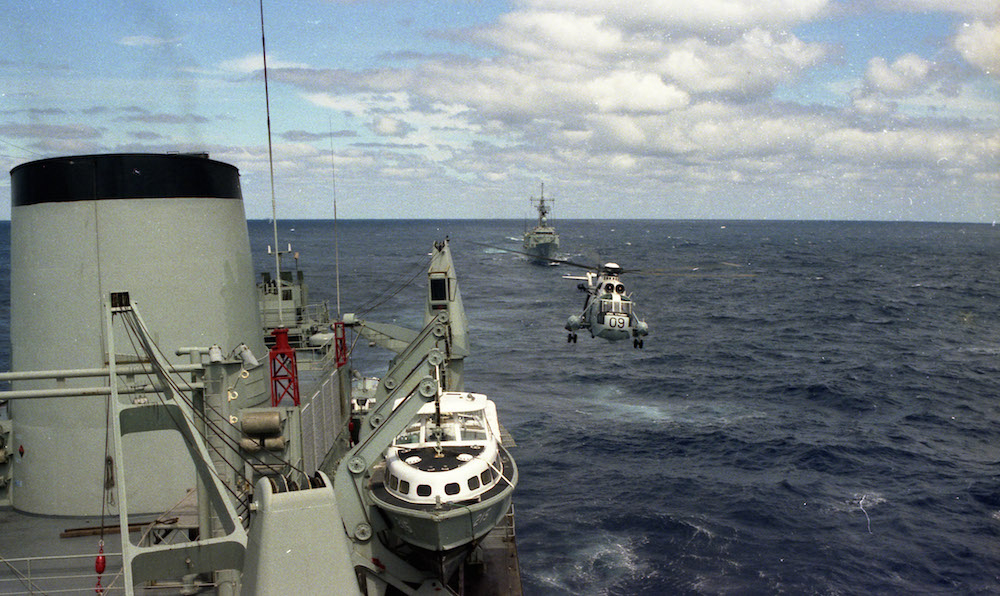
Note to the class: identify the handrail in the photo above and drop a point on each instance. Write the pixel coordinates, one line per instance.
(39, 582)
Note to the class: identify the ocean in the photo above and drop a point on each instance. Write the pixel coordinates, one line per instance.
(814, 411)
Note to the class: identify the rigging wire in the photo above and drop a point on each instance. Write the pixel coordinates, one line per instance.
(218, 430)
(135, 327)
(385, 297)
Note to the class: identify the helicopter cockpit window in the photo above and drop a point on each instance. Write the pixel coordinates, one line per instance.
(623, 306)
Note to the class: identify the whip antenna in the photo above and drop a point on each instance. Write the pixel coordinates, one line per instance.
(336, 244)
(270, 165)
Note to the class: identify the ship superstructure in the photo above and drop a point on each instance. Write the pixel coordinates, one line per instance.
(142, 351)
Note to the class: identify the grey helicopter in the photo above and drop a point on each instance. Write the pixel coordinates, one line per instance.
(607, 310)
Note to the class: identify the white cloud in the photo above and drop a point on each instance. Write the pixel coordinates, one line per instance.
(755, 62)
(353, 105)
(360, 104)
(979, 44)
(385, 126)
(611, 74)
(955, 148)
(705, 15)
(907, 75)
(697, 97)
(711, 131)
(255, 62)
(635, 92)
(543, 34)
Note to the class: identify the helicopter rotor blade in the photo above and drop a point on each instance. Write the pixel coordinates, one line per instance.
(550, 259)
(710, 270)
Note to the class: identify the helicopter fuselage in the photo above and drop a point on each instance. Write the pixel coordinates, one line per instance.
(607, 310)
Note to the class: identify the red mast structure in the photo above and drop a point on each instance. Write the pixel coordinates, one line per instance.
(284, 372)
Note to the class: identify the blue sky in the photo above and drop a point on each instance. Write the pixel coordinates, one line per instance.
(722, 109)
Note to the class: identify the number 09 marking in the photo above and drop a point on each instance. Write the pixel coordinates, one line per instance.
(617, 322)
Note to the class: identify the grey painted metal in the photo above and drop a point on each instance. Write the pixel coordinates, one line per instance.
(128, 369)
(325, 413)
(195, 279)
(89, 391)
(441, 272)
(186, 257)
(384, 335)
(6, 462)
(384, 423)
(297, 543)
(432, 361)
(169, 561)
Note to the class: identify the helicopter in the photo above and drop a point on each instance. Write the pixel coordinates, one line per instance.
(607, 310)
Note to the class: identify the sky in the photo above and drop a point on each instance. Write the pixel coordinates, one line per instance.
(884, 110)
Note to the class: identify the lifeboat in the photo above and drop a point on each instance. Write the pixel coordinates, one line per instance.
(447, 480)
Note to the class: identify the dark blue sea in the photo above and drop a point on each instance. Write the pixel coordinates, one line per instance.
(821, 419)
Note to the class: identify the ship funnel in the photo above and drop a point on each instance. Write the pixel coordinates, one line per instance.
(171, 231)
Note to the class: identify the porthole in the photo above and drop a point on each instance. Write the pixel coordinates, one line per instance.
(423, 490)
(404, 487)
(393, 482)
(452, 488)
(474, 483)
(486, 476)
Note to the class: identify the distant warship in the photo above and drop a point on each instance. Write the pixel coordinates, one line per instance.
(174, 426)
(541, 242)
